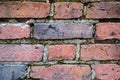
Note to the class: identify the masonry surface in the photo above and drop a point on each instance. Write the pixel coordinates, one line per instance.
(60, 40)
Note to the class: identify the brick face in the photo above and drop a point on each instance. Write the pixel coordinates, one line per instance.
(14, 31)
(66, 10)
(61, 52)
(107, 71)
(61, 72)
(108, 31)
(21, 52)
(100, 52)
(24, 10)
(63, 30)
(12, 72)
(102, 10)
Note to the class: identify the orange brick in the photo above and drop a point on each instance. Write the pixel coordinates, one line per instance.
(61, 72)
(107, 71)
(102, 10)
(24, 10)
(108, 31)
(14, 31)
(21, 52)
(66, 10)
(61, 52)
(100, 52)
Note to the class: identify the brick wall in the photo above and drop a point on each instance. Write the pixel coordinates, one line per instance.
(60, 40)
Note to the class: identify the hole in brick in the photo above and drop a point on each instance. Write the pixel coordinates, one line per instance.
(17, 9)
(113, 34)
(36, 47)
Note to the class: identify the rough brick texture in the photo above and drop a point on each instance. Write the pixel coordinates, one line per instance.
(100, 52)
(102, 10)
(14, 31)
(24, 10)
(63, 30)
(12, 72)
(66, 10)
(61, 52)
(21, 52)
(107, 71)
(108, 31)
(61, 72)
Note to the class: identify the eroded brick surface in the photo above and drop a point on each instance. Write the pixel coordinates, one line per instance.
(108, 31)
(107, 71)
(100, 52)
(12, 72)
(61, 72)
(63, 30)
(61, 52)
(21, 52)
(102, 10)
(24, 9)
(14, 31)
(66, 10)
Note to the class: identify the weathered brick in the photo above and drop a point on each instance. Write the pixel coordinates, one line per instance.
(108, 31)
(12, 72)
(100, 52)
(63, 30)
(97, 0)
(24, 10)
(107, 71)
(61, 52)
(21, 52)
(61, 72)
(14, 31)
(66, 10)
(102, 10)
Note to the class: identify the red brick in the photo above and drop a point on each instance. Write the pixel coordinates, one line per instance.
(61, 72)
(101, 10)
(63, 30)
(61, 52)
(21, 52)
(107, 71)
(14, 31)
(108, 31)
(24, 10)
(100, 52)
(66, 10)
